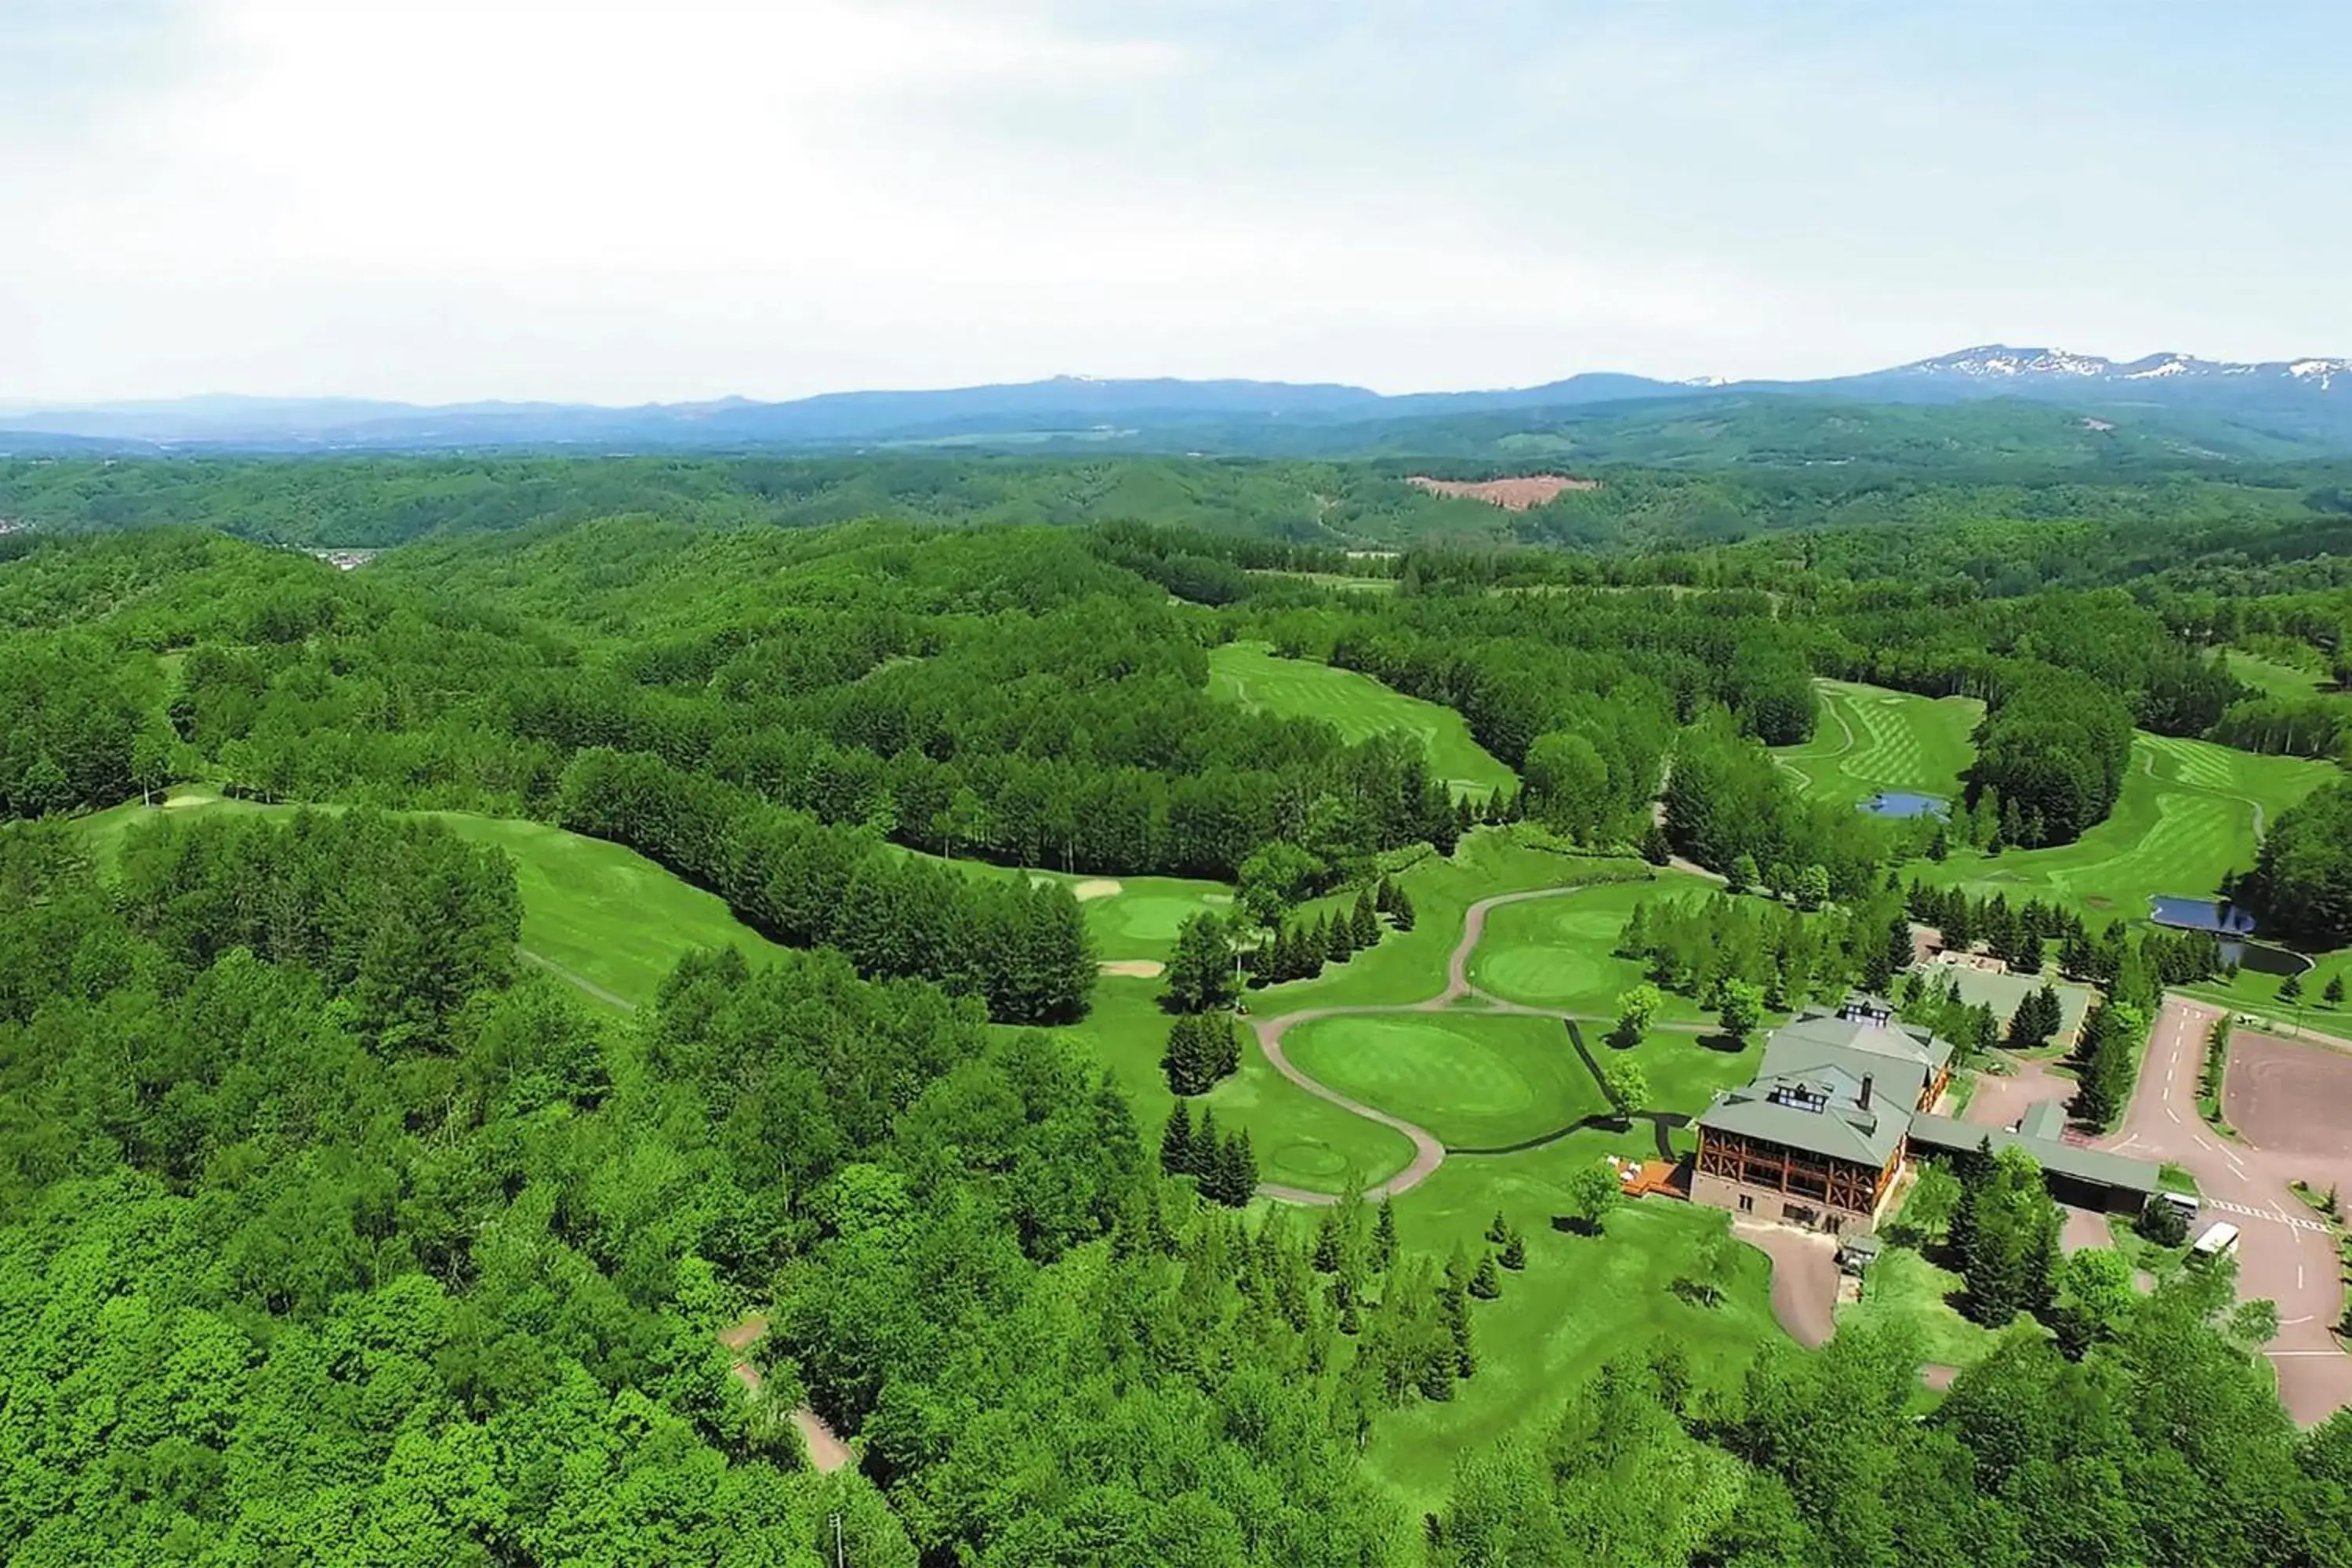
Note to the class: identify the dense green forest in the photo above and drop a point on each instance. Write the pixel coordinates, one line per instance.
(331, 1236)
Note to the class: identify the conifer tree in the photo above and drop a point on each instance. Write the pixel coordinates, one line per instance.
(1498, 1230)
(1384, 1237)
(1339, 942)
(1401, 910)
(1364, 925)
(1485, 1284)
(1176, 1142)
(2333, 994)
(1384, 895)
(1515, 1251)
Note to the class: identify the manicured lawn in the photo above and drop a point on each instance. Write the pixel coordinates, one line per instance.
(2270, 677)
(1408, 966)
(1685, 1071)
(2184, 821)
(1581, 1301)
(1359, 707)
(595, 910)
(1301, 1140)
(1868, 739)
(1139, 921)
(1560, 952)
(1475, 1081)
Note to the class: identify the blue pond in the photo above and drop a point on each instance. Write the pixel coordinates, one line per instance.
(1903, 803)
(2216, 915)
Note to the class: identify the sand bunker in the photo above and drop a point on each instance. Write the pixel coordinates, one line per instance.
(1511, 495)
(181, 802)
(1100, 887)
(1135, 968)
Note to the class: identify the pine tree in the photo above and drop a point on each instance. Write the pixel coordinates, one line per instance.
(1339, 942)
(1350, 1323)
(1401, 910)
(1485, 1284)
(2291, 988)
(1176, 1142)
(1498, 1230)
(1384, 895)
(1326, 1243)
(1206, 1146)
(1384, 1237)
(1242, 1180)
(1515, 1251)
(1182, 1061)
(1364, 925)
(2333, 994)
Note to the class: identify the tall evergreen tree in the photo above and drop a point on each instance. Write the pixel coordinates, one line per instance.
(1176, 1142)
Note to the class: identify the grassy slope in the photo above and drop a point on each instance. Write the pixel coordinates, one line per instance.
(1357, 706)
(2270, 677)
(1581, 1300)
(1477, 1081)
(595, 910)
(2184, 821)
(1561, 952)
(1867, 738)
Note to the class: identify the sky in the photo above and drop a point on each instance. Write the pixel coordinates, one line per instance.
(625, 201)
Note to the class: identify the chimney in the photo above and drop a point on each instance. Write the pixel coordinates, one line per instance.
(1865, 1091)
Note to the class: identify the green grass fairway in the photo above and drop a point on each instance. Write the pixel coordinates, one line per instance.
(1560, 953)
(1581, 1301)
(597, 912)
(1140, 920)
(1868, 739)
(2270, 677)
(1477, 1083)
(1359, 707)
(1301, 1140)
(2185, 820)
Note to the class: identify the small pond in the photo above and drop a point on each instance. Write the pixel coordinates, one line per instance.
(1907, 802)
(2216, 915)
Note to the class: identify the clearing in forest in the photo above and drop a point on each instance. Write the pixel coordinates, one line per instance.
(1867, 738)
(1357, 705)
(2191, 813)
(602, 917)
(1511, 495)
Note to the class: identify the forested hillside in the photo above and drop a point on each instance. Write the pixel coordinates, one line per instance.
(332, 1236)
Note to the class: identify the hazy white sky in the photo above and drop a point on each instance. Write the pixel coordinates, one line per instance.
(631, 200)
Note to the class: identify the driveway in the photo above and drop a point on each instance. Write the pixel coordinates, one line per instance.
(1804, 1279)
(2282, 1252)
(2002, 1101)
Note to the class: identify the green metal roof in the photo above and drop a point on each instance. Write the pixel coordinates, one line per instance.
(2094, 1165)
(1841, 1130)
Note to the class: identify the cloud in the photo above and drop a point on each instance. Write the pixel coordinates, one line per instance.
(627, 199)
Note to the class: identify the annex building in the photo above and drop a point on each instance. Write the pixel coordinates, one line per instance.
(1841, 1100)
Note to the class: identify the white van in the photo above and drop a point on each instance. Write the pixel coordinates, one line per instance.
(2218, 1241)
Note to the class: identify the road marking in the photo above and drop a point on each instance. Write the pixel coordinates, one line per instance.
(2291, 1221)
(2172, 1113)
(2298, 1275)
(2289, 1322)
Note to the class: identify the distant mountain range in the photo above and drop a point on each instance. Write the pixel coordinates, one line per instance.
(2206, 408)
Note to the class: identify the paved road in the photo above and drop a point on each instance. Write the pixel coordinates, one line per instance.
(1804, 1277)
(2283, 1253)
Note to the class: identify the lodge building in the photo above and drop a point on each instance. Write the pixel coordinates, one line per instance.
(1819, 1136)
(1839, 1101)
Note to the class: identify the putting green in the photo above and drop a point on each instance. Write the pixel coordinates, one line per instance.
(1867, 738)
(1560, 952)
(1357, 705)
(1477, 1081)
(1148, 914)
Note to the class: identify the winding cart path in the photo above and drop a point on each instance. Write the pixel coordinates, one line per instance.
(1428, 1154)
